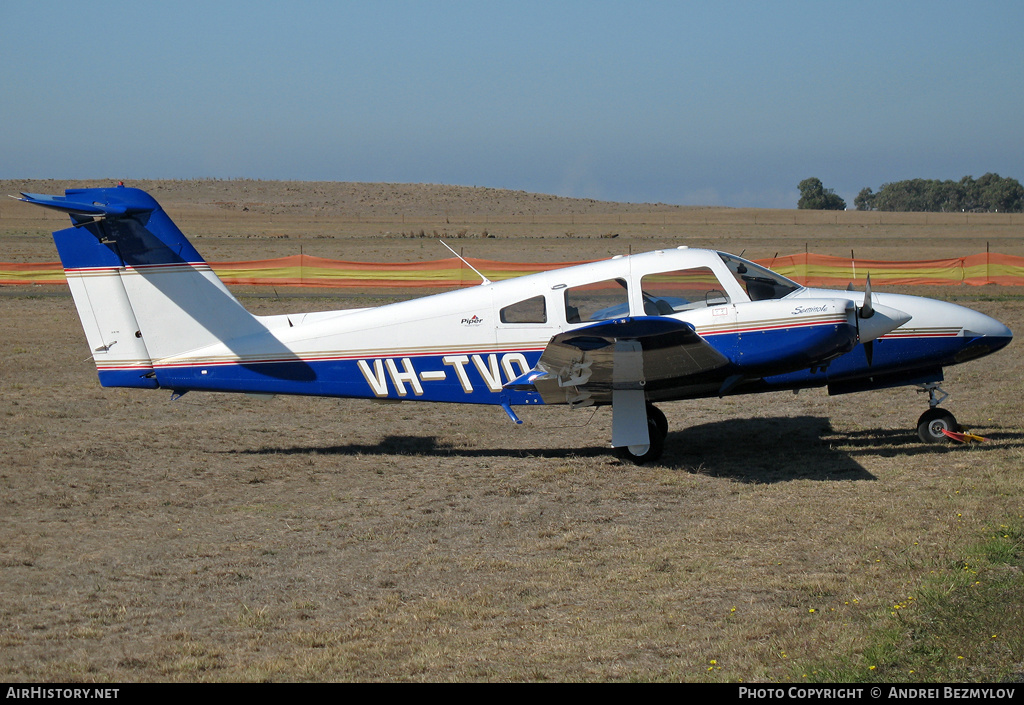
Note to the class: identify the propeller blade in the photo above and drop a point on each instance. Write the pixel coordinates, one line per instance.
(867, 310)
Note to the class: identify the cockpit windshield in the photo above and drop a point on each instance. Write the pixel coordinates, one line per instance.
(759, 283)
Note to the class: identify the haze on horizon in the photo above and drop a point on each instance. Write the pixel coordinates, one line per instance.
(731, 103)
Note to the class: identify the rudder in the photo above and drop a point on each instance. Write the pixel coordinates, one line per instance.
(111, 329)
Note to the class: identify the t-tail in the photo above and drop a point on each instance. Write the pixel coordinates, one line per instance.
(142, 291)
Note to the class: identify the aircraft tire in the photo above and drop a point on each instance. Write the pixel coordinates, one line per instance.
(932, 423)
(639, 455)
(660, 421)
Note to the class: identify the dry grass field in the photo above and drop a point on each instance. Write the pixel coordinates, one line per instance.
(223, 538)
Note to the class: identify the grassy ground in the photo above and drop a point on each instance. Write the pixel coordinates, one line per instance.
(781, 538)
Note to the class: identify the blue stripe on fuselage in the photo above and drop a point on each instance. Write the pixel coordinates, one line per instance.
(479, 377)
(468, 378)
(131, 377)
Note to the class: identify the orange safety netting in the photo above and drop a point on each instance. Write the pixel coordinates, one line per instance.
(31, 273)
(304, 270)
(827, 271)
(807, 269)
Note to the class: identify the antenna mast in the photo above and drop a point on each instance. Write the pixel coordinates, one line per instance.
(485, 279)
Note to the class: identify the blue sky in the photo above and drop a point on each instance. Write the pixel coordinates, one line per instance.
(724, 103)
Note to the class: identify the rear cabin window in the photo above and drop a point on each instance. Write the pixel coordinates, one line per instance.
(531, 310)
(599, 301)
(666, 293)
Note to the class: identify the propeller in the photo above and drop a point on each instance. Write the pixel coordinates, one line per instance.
(864, 312)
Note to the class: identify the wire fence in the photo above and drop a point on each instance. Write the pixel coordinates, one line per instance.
(806, 268)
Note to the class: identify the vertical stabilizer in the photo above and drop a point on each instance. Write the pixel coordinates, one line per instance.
(142, 291)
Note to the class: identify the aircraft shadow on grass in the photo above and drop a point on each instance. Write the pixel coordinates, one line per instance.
(754, 450)
(896, 442)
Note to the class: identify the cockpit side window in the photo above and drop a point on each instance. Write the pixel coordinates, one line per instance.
(599, 301)
(666, 293)
(532, 310)
(759, 283)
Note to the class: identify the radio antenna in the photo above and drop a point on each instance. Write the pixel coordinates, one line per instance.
(463, 260)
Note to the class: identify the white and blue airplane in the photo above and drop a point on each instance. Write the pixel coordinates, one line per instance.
(627, 332)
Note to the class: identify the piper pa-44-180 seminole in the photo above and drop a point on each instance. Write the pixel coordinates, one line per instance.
(626, 332)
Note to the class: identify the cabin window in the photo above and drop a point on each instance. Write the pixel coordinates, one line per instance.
(531, 310)
(599, 301)
(665, 293)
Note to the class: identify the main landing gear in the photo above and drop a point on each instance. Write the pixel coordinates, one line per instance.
(933, 422)
(657, 429)
(930, 427)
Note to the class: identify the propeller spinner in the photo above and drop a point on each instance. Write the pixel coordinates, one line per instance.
(874, 321)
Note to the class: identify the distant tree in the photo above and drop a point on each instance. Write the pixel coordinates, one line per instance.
(865, 200)
(1002, 195)
(814, 196)
(990, 193)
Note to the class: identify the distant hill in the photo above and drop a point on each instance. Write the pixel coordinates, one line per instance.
(344, 198)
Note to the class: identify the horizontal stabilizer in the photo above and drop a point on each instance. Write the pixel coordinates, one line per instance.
(84, 206)
(128, 228)
(142, 290)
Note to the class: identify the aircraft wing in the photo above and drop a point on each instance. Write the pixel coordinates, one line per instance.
(584, 366)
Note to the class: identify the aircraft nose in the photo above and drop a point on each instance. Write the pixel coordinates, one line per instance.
(983, 334)
(977, 324)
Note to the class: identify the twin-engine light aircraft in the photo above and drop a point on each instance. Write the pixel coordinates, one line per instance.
(627, 332)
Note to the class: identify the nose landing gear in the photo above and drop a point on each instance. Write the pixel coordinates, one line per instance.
(933, 422)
